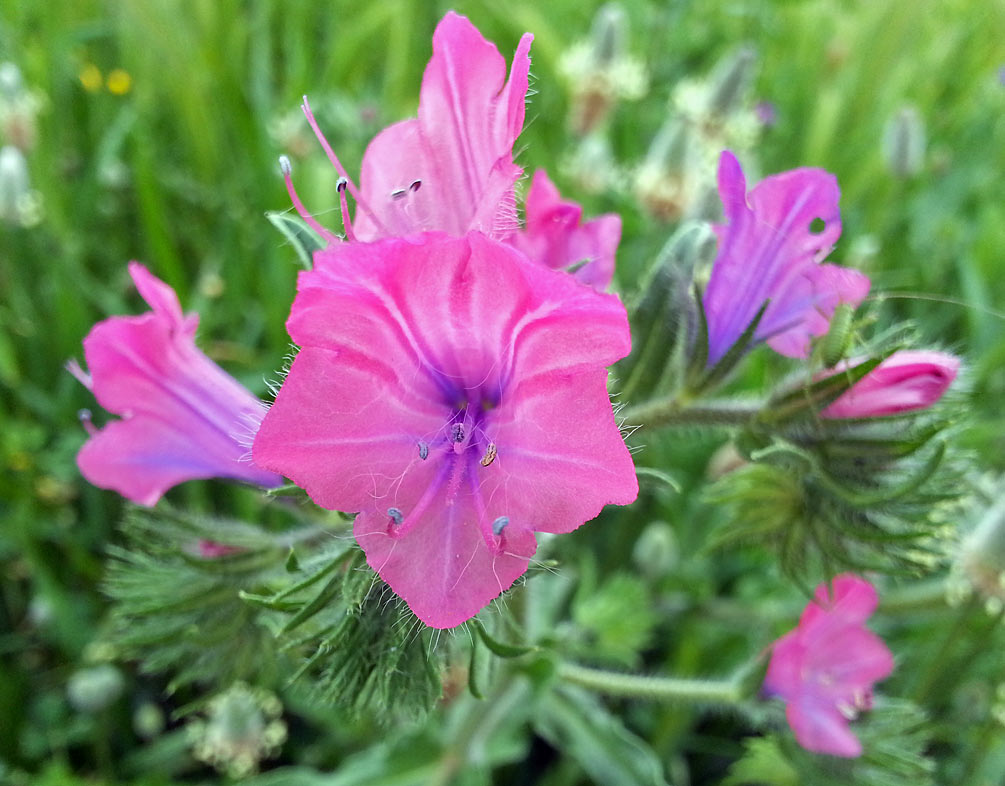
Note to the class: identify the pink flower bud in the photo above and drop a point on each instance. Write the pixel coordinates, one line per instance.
(904, 382)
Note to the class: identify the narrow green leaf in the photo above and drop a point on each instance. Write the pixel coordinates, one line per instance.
(305, 241)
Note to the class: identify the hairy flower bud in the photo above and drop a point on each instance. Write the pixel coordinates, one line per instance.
(904, 142)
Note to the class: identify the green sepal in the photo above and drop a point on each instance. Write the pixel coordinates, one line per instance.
(292, 564)
(660, 477)
(711, 377)
(818, 394)
(305, 241)
(501, 648)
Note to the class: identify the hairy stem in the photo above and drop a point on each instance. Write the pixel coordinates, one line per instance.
(669, 689)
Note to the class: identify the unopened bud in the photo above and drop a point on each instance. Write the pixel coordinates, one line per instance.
(982, 555)
(609, 34)
(148, 720)
(656, 552)
(93, 689)
(730, 81)
(14, 184)
(11, 83)
(904, 143)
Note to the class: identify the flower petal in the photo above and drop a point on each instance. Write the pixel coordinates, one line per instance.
(768, 252)
(460, 147)
(821, 728)
(555, 237)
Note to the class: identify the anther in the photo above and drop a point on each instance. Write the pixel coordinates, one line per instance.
(457, 432)
(396, 516)
(84, 416)
(490, 454)
(398, 193)
(423, 450)
(499, 525)
(287, 169)
(341, 187)
(415, 185)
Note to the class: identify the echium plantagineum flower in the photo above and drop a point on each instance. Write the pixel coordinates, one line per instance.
(451, 168)
(824, 670)
(183, 417)
(905, 382)
(769, 252)
(454, 394)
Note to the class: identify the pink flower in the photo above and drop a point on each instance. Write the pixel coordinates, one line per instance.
(825, 668)
(904, 382)
(183, 417)
(450, 169)
(556, 236)
(210, 549)
(455, 395)
(768, 251)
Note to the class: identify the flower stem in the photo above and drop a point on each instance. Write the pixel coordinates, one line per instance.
(669, 689)
(671, 412)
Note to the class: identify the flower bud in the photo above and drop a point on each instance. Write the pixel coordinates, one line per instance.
(730, 82)
(11, 83)
(982, 556)
(656, 552)
(906, 381)
(92, 689)
(904, 143)
(600, 71)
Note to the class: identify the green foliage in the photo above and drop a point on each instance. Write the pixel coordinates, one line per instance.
(181, 613)
(894, 735)
(578, 724)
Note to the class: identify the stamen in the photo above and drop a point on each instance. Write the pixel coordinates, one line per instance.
(79, 374)
(344, 203)
(287, 170)
(399, 193)
(431, 493)
(396, 516)
(339, 168)
(490, 454)
(457, 434)
(491, 533)
(499, 525)
(423, 450)
(84, 416)
(415, 185)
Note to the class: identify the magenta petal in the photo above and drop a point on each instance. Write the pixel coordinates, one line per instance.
(183, 416)
(904, 382)
(460, 147)
(453, 393)
(849, 599)
(442, 567)
(555, 237)
(769, 253)
(822, 729)
(825, 668)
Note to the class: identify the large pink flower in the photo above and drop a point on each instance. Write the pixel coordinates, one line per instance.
(183, 417)
(556, 236)
(904, 382)
(455, 395)
(768, 251)
(825, 668)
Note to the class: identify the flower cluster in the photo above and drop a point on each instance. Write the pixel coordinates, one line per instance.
(451, 387)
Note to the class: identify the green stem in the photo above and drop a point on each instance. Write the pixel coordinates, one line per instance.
(927, 595)
(669, 689)
(670, 412)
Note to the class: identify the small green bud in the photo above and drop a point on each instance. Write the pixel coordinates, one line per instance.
(730, 81)
(91, 690)
(904, 143)
(656, 552)
(148, 720)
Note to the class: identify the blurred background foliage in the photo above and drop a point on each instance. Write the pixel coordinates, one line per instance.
(157, 126)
